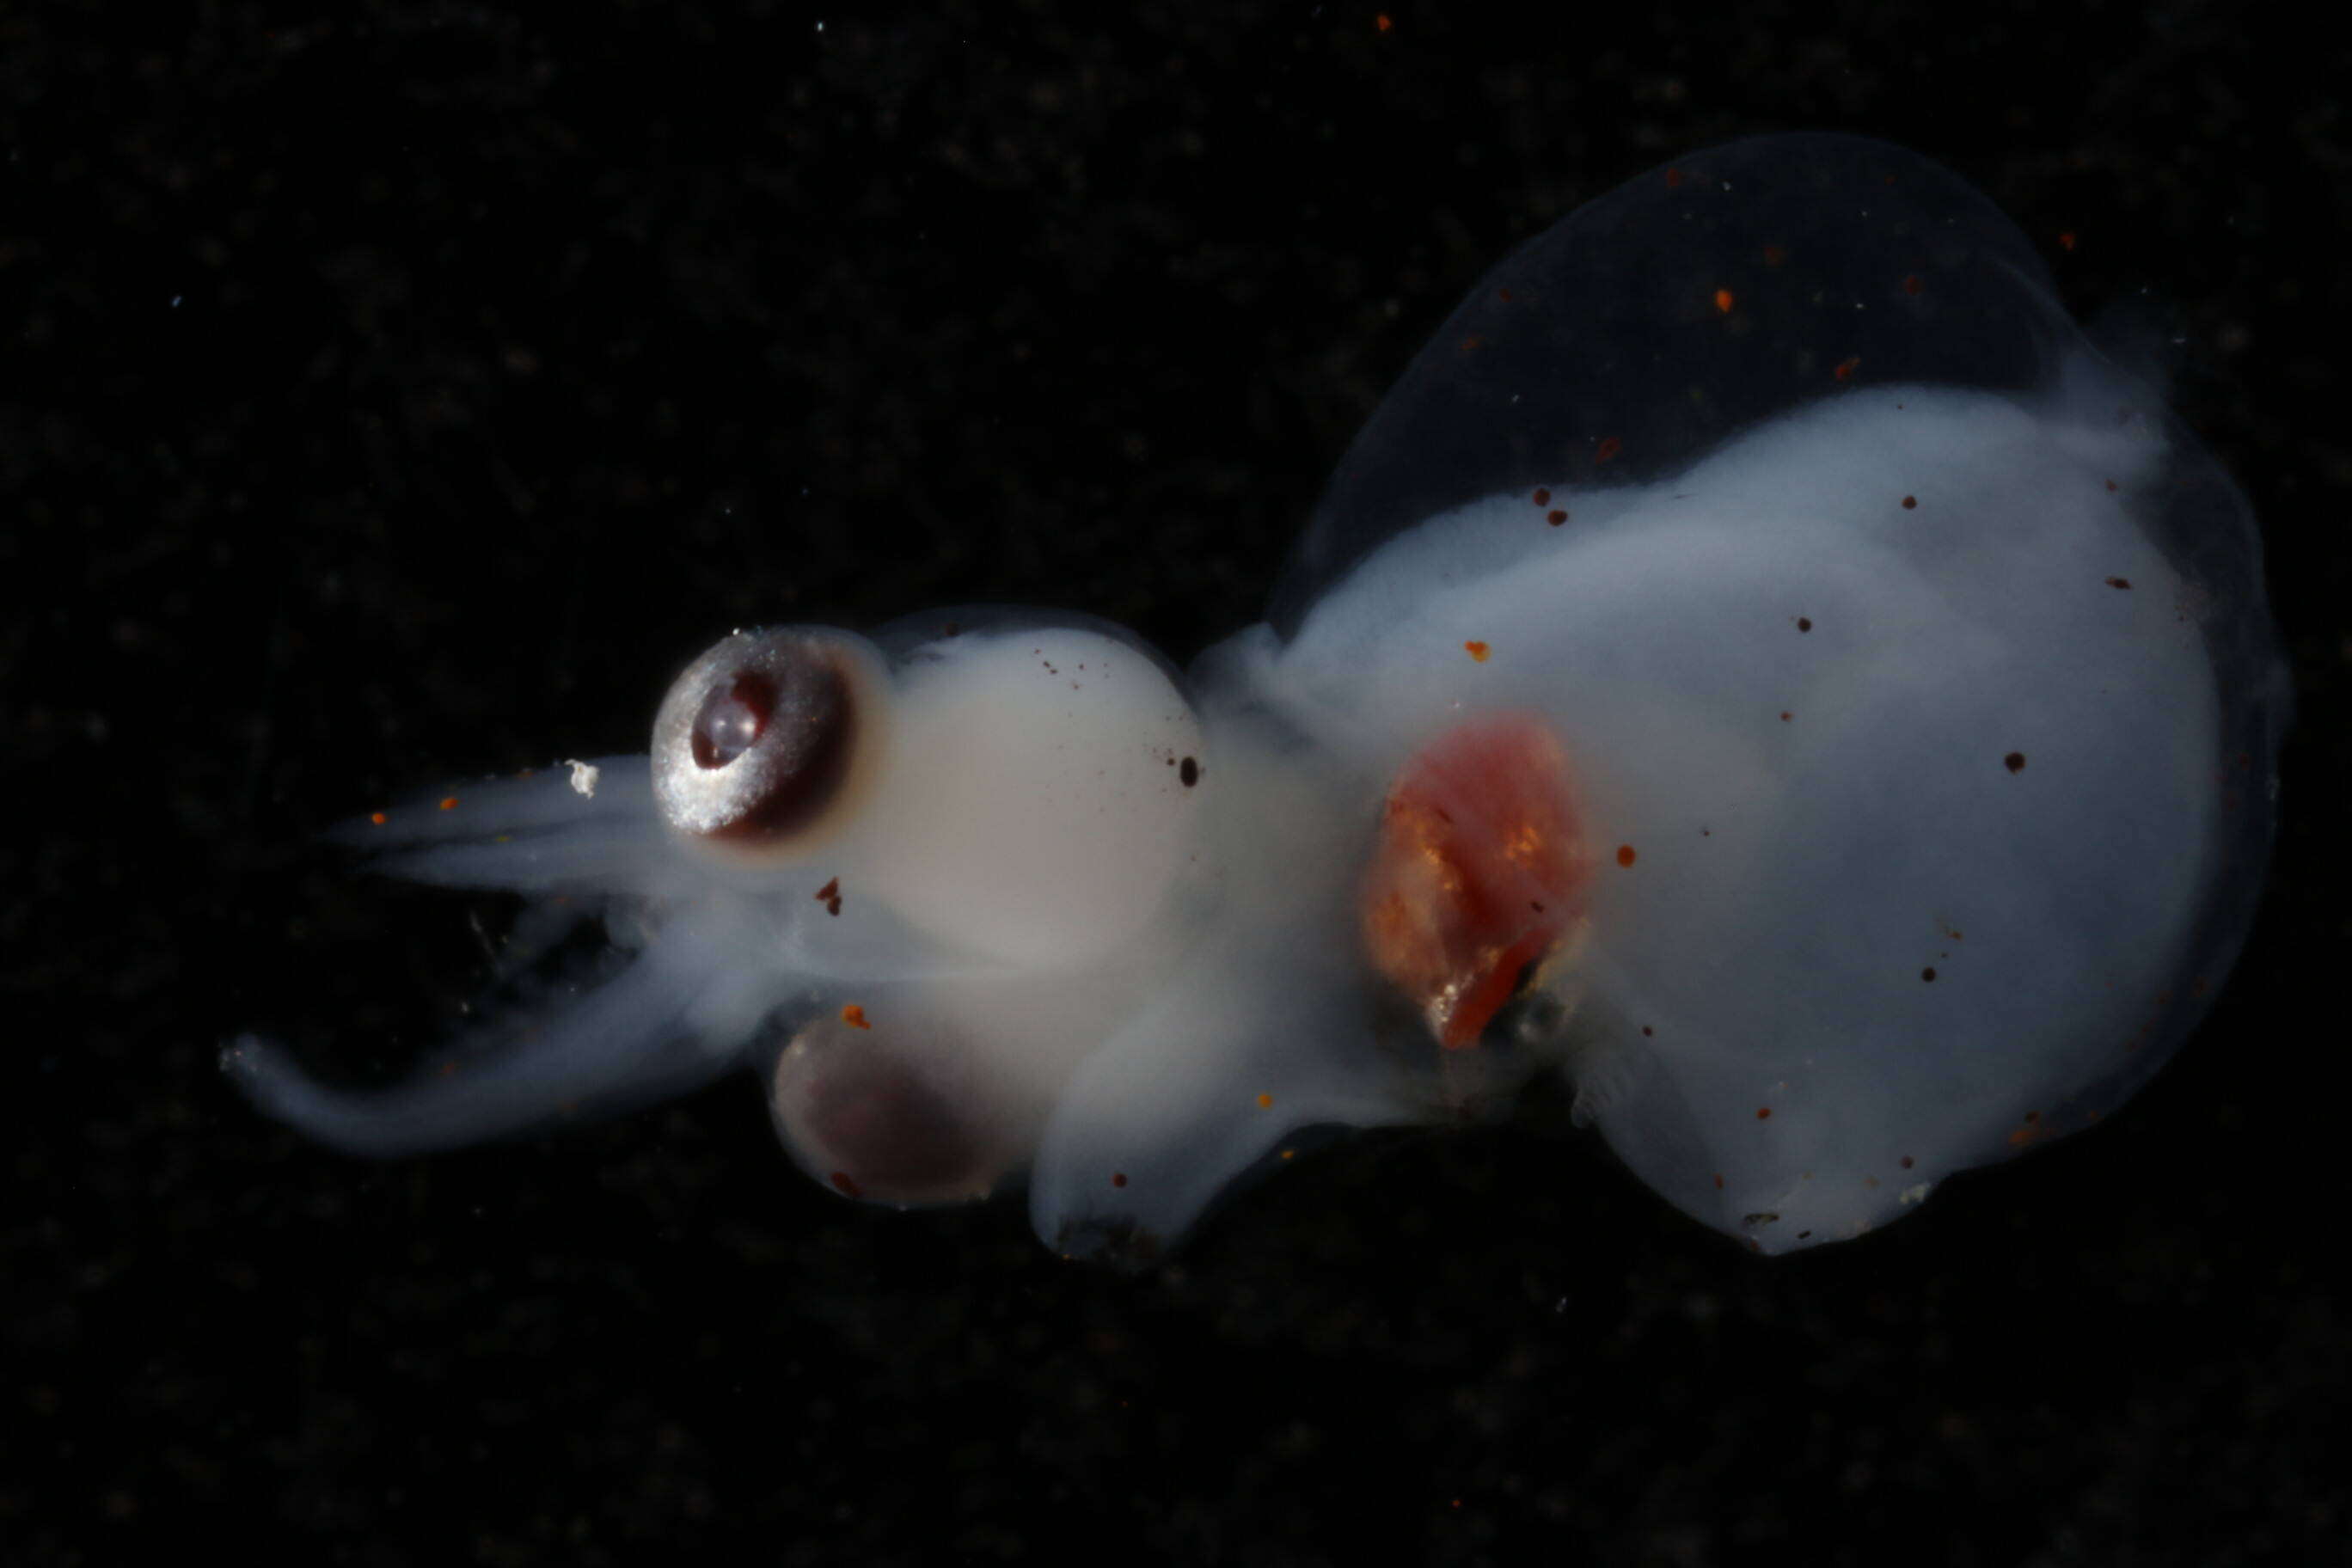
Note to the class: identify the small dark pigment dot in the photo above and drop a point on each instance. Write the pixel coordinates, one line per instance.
(1188, 772)
(1804, 623)
(2014, 761)
(1910, 503)
(1928, 974)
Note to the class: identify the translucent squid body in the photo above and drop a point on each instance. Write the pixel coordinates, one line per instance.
(1761, 662)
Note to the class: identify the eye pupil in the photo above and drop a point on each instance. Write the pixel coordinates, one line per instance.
(732, 718)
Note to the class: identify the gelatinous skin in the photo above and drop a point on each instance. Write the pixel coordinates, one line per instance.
(1761, 662)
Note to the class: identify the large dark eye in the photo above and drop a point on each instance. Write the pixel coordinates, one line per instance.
(764, 742)
(895, 1110)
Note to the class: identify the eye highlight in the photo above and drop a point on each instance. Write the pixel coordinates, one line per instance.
(764, 744)
(732, 720)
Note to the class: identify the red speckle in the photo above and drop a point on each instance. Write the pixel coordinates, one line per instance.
(830, 897)
(1610, 446)
(1723, 301)
(1847, 366)
(1904, 1162)
(448, 803)
(1503, 295)
(1648, 1033)
(1718, 1181)
(1673, 179)
(1774, 255)
(1786, 715)
(1625, 854)
(855, 1016)
(2066, 240)
(1265, 1102)
(1471, 343)
(845, 1185)
(1119, 1178)
(1478, 651)
(1556, 516)
(1383, 23)
(2112, 486)
(2119, 583)
(1763, 1113)
(1912, 283)
(1804, 623)
(1910, 503)
(1543, 497)
(377, 817)
(2014, 761)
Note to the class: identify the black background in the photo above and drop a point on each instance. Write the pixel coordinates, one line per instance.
(403, 394)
